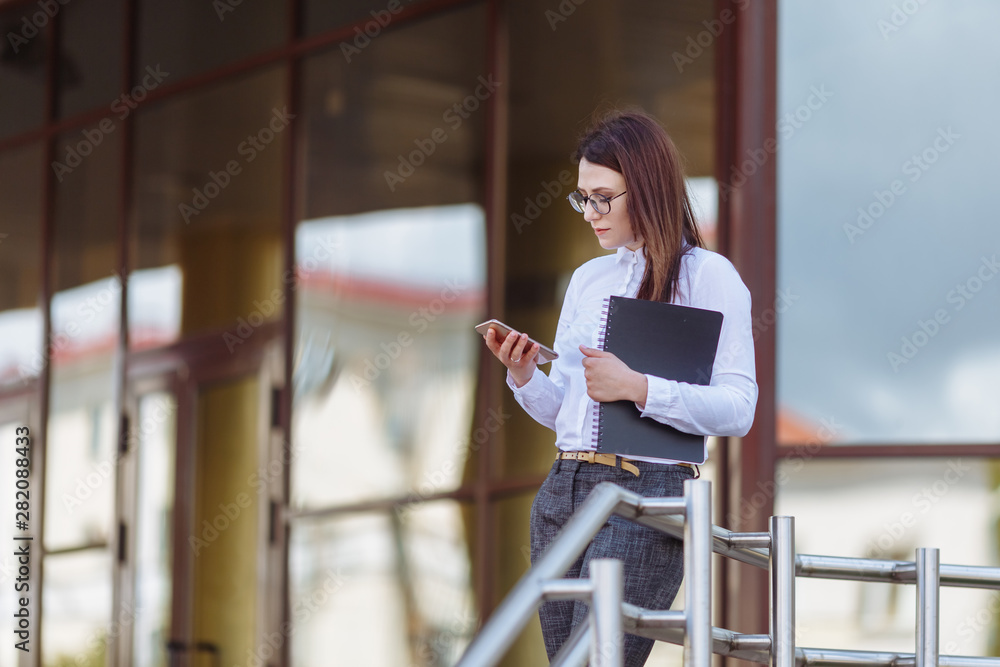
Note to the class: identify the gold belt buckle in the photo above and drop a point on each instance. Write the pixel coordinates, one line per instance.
(611, 460)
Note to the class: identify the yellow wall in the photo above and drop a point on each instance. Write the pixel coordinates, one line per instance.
(225, 570)
(227, 268)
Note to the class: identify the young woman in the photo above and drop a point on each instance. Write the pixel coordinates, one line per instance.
(631, 190)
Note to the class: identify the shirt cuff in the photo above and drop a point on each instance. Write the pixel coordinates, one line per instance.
(528, 387)
(661, 395)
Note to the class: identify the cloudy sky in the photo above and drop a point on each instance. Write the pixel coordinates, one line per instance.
(908, 133)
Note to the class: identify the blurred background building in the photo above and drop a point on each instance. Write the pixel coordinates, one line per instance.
(243, 246)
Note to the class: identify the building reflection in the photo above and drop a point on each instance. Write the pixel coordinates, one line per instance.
(384, 377)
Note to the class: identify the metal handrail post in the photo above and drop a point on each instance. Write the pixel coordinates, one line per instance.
(488, 647)
(576, 651)
(928, 606)
(782, 591)
(698, 568)
(608, 645)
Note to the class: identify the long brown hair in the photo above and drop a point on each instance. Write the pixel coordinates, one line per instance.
(633, 144)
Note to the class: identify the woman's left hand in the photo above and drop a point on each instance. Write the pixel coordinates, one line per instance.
(609, 379)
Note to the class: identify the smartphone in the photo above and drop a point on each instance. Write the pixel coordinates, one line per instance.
(545, 354)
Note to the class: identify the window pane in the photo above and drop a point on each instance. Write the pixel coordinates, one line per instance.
(90, 62)
(20, 265)
(187, 37)
(387, 588)
(85, 311)
(81, 467)
(390, 265)
(76, 627)
(207, 227)
(886, 239)
(156, 432)
(886, 510)
(85, 244)
(22, 69)
(82, 425)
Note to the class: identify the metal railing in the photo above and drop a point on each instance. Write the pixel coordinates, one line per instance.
(689, 518)
(544, 582)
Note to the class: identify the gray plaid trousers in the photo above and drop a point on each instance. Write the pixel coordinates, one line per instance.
(653, 563)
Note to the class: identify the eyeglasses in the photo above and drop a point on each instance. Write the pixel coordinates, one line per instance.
(600, 203)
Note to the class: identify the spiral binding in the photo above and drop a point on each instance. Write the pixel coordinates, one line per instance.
(597, 433)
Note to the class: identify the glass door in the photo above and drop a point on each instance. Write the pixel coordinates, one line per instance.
(147, 492)
(153, 443)
(195, 500)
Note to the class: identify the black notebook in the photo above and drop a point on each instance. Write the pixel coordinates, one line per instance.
(665, 340)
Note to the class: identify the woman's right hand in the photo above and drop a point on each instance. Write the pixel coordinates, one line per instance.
(511, 352)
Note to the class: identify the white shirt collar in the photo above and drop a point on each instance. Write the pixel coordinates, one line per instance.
(630, 256)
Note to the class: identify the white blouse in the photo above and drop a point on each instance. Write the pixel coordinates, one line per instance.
(707, 280)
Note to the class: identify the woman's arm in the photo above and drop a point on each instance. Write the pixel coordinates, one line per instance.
(541, 397)
(725, 406)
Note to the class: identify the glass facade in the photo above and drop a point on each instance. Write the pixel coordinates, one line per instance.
(156, 436)
(390, 264)
(402, 576)
(21, 333)
(77, 628)
(243, 247)
(90, 58)
(390, 268)
(206, 229)
(81, 446)
(366, 20)
(189, 37)
(888, 509)
(886, 242)
(886, 308)
(22, 77)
